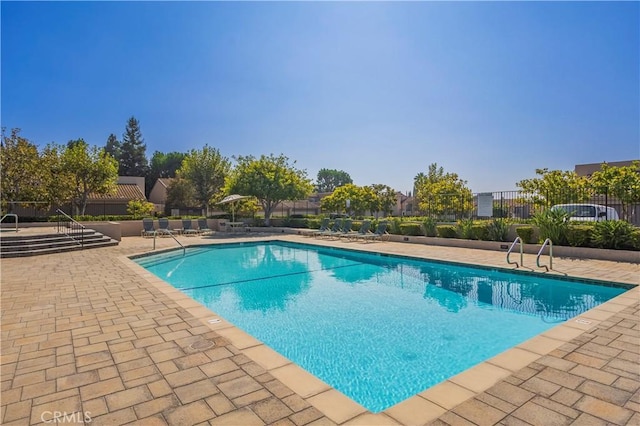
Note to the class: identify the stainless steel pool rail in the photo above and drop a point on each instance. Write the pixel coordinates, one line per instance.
(184, 250)
(550, 267)
(517, 240)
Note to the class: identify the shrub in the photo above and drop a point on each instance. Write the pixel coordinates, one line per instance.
(258, 221)
(413, 229)
(394, 227)
(635, 239)
(429, 227)
(525, 233)
(35, 219)
(480, 231)
(465, 229)
(579, 235)
(613, 234)
(294, 222)
(498, 230)
(446, 231)
(314, 223)
(553, 224)
(374, 224)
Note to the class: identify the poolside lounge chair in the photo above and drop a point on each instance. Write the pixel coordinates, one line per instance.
(379, 234)
(147, 228)
(324, 225)
(335, 228)
(187, 229)
(204, 228)
(163, 227)
(364, 230)
(344, 229)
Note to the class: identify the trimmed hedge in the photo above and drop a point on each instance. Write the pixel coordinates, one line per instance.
(579, 235)
(480, 231)
(314, 223)
(447, 231)
(525, 233)
(413, 229)
(296, 222)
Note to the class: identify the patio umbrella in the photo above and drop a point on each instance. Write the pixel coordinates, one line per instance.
(232, 199)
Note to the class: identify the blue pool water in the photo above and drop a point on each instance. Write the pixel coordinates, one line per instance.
(377, 328)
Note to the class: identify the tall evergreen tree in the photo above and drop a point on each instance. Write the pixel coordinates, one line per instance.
(113, 147)
(133, 160)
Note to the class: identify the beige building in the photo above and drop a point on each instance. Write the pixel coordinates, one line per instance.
(127, 189)
(588, 169)
(158, 194)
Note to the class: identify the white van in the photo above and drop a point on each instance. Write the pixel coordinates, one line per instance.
(588, 212)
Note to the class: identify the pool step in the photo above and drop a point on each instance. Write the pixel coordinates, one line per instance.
(33, 245)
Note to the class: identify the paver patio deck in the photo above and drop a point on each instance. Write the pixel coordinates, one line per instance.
(88, 336)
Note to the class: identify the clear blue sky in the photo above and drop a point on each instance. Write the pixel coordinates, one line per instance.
(490, 91)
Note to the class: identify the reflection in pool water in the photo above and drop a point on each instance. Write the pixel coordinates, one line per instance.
(377, 328)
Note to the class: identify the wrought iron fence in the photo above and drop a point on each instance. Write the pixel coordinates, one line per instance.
(501, 204)
(518, 205)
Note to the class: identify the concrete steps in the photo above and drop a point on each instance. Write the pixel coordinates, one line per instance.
(47, 243)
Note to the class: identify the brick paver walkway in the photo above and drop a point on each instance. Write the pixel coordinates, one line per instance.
(593, 380)
(84, 337)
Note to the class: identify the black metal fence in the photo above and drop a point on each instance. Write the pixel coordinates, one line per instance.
(502, 204)
(517, 205)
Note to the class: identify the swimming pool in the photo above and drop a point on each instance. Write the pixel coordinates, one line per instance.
(377, 328)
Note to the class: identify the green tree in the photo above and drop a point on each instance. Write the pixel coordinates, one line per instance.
(622, 183)
(113, 147)
(163, 166)
(555, 187)
(206, 169)
(330, 179)
(91, 171)
(21, 171)
(352, 199)
(133, 160)
(57, 178)
(139, 208)
(180, 194)
(270, 179)
(385, 199)
(442, 194)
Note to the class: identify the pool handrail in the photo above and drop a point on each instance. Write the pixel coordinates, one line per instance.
(550, 267)
(184, 250)
(517, 240)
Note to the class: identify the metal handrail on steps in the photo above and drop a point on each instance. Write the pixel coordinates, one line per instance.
(517, 240)
(548, 240)
(11, 215)
(184, 250)
(71, 228)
